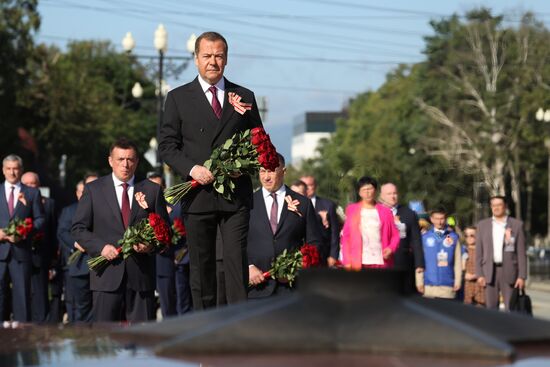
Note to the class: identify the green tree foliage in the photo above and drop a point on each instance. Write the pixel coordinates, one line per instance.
(78, 102)
(19, 20)
(383, 137)
(465, 115)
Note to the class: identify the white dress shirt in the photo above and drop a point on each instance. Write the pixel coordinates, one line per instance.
(221, 95)
(119, 190)
(220, 92)
(314, 200)
(499, 229)
(269, 201)
(16, 191)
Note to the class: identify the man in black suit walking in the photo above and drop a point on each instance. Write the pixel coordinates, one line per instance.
(330, 227)
(198, 117)
(124, 290)
(409, 255)
(17, 201)
(275, 226)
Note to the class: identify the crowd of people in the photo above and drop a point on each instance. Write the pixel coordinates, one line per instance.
(229, 245)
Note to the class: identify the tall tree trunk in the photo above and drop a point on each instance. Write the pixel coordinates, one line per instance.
(516, 193)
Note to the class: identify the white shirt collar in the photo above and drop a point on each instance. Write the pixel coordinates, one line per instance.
(117, 182)
(205, 85)
(267, 194)
(500, 222)
(8, 185)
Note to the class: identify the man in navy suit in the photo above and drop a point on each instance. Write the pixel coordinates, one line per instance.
(21, 202)
(327, 217)
(78, 296)
(124, 289)
(276, 226)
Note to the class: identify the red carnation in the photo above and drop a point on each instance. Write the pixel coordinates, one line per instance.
(180, 227)
(154, 218)
(310, 256)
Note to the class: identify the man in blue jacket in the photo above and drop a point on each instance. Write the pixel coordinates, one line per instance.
(442, 277)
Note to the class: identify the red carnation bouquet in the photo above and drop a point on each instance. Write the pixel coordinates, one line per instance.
(243, 153)
(287, 264)
(19, 228)
(152, 231)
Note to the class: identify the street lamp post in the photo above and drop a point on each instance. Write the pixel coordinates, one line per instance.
(542, 115)
(161, 45)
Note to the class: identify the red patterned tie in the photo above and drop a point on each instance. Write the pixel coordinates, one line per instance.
(216, 106)
(125, 207)
(11, 206)
(273, 215)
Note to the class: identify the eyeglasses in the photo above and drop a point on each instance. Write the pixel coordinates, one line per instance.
(470, 235)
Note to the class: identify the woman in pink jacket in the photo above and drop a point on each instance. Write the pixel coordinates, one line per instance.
(369, 237)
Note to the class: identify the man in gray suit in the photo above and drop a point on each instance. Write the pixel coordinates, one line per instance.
(501, 259)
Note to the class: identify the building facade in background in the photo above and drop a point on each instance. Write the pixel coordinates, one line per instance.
(309, 129)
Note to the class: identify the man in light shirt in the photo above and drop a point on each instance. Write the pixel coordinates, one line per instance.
(501, 259)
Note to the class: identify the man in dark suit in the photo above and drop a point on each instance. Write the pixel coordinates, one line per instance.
(17, 201)
(124, 290)
(501, 257)
(276, 226)
(409, 255)
(44, 248)
(78, 296)
(197, 118)
(330, 227)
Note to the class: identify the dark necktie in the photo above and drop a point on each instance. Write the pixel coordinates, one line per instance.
(216, 106)
(125, 207)
(11, 202)
(273, 215)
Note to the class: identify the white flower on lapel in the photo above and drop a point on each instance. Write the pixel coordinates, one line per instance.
(21, 198)
(292, 205)
(235, 101)
(140, 198)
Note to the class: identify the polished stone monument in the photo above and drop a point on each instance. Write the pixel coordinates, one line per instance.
(338, 312)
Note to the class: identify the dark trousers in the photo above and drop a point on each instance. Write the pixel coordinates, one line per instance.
(81, 298)
(123, 304)
(20, 275)
(201, 239)
(39, 293)
(497, 286)
(166, 288)
(404, 261)
(183, 290)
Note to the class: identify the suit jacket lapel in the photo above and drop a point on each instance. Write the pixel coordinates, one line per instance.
(285, 211)
(3, 203)
(260, 210)
(17, 204)
(135, 205)
(112, 201)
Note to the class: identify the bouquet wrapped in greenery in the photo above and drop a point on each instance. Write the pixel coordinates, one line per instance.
(243, 153)
(152, 231)
(288, 263)
(19, 228)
